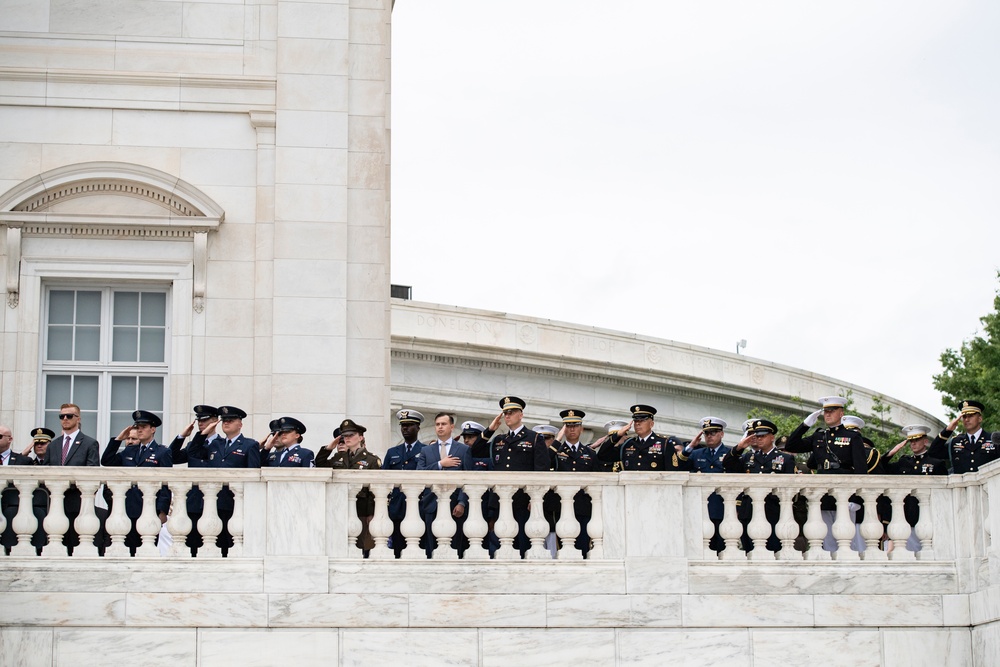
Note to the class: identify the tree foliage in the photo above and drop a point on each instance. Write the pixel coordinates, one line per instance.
(973, 370)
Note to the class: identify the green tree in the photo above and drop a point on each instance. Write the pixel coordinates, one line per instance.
(973, 370)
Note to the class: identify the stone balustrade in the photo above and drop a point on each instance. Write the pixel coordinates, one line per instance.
(314, 512)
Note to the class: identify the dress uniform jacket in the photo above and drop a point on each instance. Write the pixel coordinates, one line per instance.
(297, 457)
(359, 460)
(655, 453)
(584, 459)
(965, 457)
(835, 450)
(397, 458)
(752, 461)
(524, 451)
(707, 460)
(924, 464)
(153, 455)
(244, 452)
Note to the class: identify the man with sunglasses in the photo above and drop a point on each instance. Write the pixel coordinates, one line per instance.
(835, 449)
(73, 448)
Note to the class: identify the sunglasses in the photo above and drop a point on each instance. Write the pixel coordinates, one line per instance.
(69, 416)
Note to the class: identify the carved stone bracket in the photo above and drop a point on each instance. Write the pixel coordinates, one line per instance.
(200, 257)
(13, 265)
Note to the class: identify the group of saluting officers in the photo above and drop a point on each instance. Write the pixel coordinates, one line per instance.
(837, 447)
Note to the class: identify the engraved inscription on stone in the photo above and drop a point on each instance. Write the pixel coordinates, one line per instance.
(460, 324)
(581, 344)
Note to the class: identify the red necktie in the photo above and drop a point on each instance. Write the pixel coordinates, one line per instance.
(65, 449)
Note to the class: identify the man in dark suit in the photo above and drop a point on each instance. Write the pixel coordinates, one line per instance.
(73, 448)
(445, 453)
(141, 451)
(9, 498)
(281, 446)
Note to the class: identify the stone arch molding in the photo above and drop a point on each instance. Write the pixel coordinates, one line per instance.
(109, 200)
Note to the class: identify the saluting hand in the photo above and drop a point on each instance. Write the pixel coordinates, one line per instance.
(623, 431)
(696, 442)
(209, 428)
(745, 442)
(267, 443)
(495, 424)
(954, 423)
(892, 452)
(188, 429)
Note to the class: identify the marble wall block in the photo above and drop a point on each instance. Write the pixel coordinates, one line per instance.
(33, 125)
(808, 648)
(264, 648)
(206, 610)
(819, 578)
(99, 648)
(51, 609)
(927, 647)
(213, 20)
(655, 521)
(510, 611)
(312, 56)
(298, 518)
(655, 576)
(311, 129)
(297, 574)
(742, 611)
(184, 130)
(986, 644)
(684, 648)
(339, 610)
(126, 17)
(312, 20)
(878, 610)
(502, 647)
(26, 647)
(440, 647)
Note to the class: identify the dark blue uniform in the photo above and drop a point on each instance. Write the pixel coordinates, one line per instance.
(964, 455)
(153, 455)
(297, 457)
(655, 453)
(838, 450)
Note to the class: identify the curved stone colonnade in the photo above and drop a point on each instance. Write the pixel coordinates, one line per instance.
(463, 359)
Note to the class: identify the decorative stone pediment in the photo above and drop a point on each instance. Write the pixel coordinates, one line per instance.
(111, 200)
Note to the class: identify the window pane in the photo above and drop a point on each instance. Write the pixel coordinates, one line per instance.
(60, 345)
(88, 344)
(151, 394)
(154, 309)
(119, 420)
(61, 307)
(125, 344)
(58, 390)
(85, 393)
(123, 393)
(152, 345)
(88, 308)
(126, 308)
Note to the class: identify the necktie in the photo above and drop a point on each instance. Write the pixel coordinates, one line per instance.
(142, 451)
(409, 448)
(65, 449)
(281, 459)
(972, 441)
(444, 451)
(229, 444)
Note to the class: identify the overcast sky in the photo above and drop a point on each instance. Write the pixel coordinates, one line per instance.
(820, 179)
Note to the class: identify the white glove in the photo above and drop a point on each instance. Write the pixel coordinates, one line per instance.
(811, 419)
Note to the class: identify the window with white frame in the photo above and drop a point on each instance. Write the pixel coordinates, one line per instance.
(106, 350)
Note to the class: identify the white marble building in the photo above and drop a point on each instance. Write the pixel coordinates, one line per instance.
(194, 207)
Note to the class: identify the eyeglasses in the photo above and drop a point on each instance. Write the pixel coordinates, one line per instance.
(69, 416)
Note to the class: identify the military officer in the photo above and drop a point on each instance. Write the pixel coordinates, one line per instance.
(610, 427)
(707, 457)
(763, 458)
(203, 416)
(141, 451)
(282, 445)
(571, 455)
(836, 449)
(518, 449)
(968, 450)
(34, 454)
(920, 462)
(347, 452)
(404, 457)
(645, 450)
(482, 459)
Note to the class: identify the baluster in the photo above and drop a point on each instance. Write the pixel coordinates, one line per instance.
(118, 524)
(148, 523)
(843, 526)
(925, 525)
(899, 529)
(236, 521)
(787, 529)
(56, 523)
(380, 525)
(595, 527)
(210, 524)
(353, 522)
(815, 528)
(567, 527)
(871, 526)
(87, 524)
(707, 527)
(24, 522)
(537, 528)
(412, 527)
(505, 526)
(759, 528)
(731, 529)
(443, 526)
(179, 524)
(475, 524)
